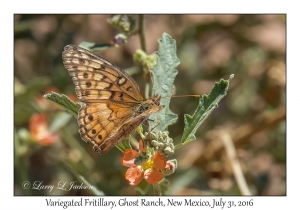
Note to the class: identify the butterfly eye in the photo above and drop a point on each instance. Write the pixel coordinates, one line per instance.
(145, 107)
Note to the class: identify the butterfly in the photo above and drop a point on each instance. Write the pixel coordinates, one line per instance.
(112, 102)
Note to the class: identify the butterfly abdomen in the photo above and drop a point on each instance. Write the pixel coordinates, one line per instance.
(120, 136)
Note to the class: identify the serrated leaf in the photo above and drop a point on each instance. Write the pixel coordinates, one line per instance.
(207, 104)
(64, 102)
(164, 74)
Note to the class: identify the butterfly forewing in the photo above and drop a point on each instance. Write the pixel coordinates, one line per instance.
(96, 78)
(110, 98)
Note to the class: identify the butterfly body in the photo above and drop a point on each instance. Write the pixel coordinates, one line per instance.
(112, 103)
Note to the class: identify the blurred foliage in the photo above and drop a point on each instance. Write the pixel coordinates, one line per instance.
(209, 47)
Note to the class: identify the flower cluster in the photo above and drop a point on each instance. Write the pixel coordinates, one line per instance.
(160, 141)
(150, 170)
(150, 162)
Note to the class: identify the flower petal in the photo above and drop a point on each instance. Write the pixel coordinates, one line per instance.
(129, 157)
(47, 139)
(159, 161)
(134, 175)
(72, 97)
(153, 176)
(38, 124)
(142, 147)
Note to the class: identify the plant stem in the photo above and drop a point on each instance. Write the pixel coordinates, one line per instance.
(143, 46)
(178, 146)
(142, 32)
(147, 90)
(156, 188)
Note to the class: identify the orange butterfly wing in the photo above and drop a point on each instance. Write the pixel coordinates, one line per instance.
(110, 99)
(96, 78)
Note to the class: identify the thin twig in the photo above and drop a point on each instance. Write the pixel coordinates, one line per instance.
(237, 171)
(243, 133)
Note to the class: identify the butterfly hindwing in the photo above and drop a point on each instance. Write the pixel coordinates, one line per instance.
(125, 130)
(98, 121)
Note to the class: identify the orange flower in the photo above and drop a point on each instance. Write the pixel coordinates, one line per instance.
(142, 146)
(72, 97)
(149, 170)
(38, 128)
(51, 89)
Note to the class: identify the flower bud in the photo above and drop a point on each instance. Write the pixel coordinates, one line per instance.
(170, 168)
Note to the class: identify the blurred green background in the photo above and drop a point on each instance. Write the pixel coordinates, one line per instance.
(210, 47)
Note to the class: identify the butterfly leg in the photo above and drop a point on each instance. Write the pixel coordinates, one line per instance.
(146, 124)
(154, 121)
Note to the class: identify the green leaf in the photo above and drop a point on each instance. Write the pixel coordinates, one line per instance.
(207, 104)
(164, 74)
(91, 46)
(64, 102)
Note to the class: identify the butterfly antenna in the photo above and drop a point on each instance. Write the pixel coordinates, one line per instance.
(181, 96)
